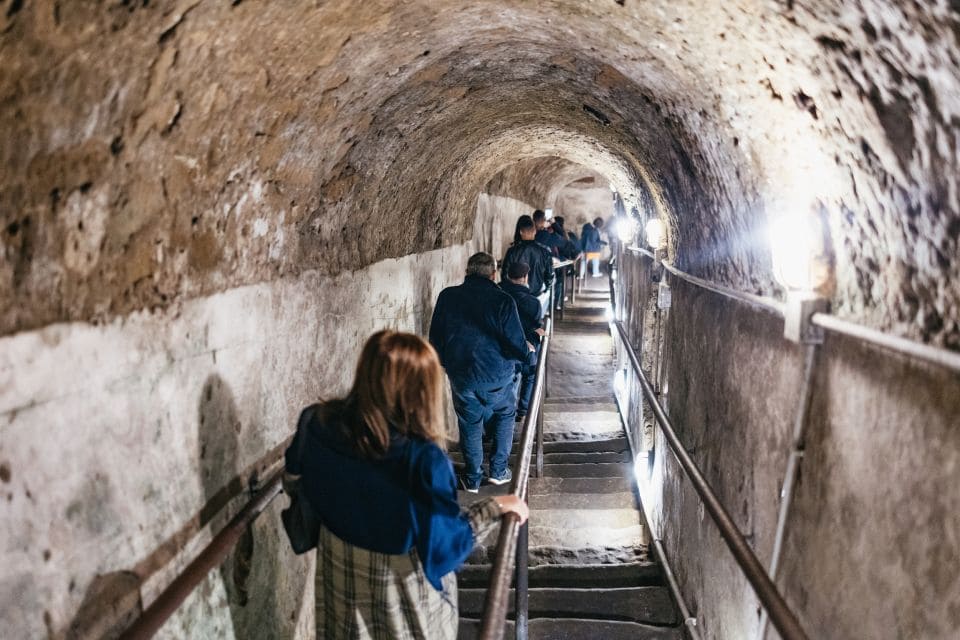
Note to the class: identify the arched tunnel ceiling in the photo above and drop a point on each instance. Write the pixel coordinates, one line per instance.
(156, 151)
(538, 181)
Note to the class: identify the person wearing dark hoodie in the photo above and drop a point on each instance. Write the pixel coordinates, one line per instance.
(531, 318)
(526, 249)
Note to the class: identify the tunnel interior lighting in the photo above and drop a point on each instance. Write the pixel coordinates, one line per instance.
(655, 232)
(620, 382)
(795, 243)
(641, 472)
(548, 213)
(626, 229)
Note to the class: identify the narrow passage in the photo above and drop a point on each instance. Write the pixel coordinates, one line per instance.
(590, 573)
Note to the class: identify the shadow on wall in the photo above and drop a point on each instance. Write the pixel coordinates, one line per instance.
(263, 580)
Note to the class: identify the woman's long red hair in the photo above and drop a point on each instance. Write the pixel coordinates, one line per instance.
(398, 387)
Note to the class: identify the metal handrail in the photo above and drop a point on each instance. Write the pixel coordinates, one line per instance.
(781, 616)
(212, 556)
(904, 346)
(505, 557)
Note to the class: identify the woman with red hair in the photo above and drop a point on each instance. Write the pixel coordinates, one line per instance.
(373, 468)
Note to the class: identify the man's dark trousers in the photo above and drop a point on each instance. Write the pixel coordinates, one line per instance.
(492, 410)
(528, 374)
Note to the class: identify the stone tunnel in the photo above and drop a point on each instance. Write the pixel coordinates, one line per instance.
(207, 207)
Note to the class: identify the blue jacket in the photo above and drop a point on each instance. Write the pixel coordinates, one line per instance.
(528, 307)
(590, 240)
(406, 499)
(477, 333)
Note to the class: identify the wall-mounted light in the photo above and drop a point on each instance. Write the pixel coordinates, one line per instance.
(548, 213)
(655, 233)
(796, 248)
(796, 241)
(626, 229)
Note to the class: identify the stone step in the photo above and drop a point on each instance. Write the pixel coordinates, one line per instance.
(573, 401)
(579, 470)
(559, 485)
(566, 457)
(628, 549)
(571, 435)
(557, 489)
(589, 470)
(584, 576)
(647, 605)
(613, 500)
(576, 629)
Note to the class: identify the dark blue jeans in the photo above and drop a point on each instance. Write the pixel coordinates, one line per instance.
(524, 385)
(490, 410)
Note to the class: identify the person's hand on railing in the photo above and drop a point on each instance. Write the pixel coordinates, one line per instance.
(513, 504)
(541, 332)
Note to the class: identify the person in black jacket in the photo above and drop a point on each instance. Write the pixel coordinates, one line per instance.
(531, 317)
(537, 257)
(478, 336)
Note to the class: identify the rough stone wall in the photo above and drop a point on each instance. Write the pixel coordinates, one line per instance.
(505, 211)
(120, 444)
(871, 538)
(160, 151)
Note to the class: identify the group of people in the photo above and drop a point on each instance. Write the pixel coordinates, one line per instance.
(373, 465)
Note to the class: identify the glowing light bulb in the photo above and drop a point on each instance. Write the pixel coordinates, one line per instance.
(655, 232)
(548, 213)
(796, 244)
(626, 229)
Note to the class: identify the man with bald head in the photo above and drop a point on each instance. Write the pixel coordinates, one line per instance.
(477, 334)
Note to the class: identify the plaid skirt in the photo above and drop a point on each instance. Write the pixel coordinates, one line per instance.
(363, 594)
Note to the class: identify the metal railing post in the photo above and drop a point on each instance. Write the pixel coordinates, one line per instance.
(539, 465)
(511, 551)
(521, 596)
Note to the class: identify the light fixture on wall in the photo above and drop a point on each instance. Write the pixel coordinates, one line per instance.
(797, 250)
(625, 228)
(548, 213)
(655, 232)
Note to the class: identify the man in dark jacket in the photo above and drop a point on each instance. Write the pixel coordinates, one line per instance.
(592, 245)
(531, 317)
(536, 256)
(545, 234)
(478, 336)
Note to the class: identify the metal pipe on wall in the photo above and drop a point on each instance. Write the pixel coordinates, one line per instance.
(798, 443)
(905, 346)
(781, 615)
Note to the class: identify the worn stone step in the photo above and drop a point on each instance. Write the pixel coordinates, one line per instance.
(575, 629)
(565, 457)
(584, 576)
(602, 422)
(617, 500)
(574, 401)
(557, 485)
(568, 432)
(559, 554)
(648, 605)
(588, 470)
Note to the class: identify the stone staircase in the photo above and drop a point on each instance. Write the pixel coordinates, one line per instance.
(590, 573)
